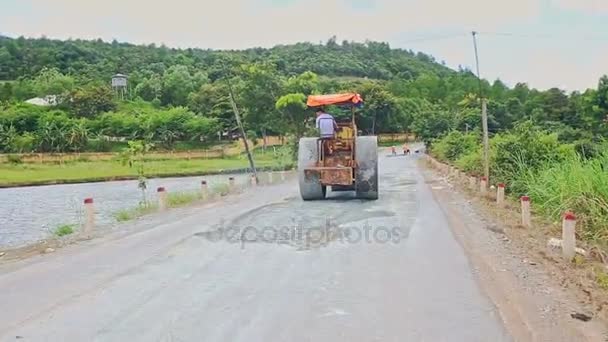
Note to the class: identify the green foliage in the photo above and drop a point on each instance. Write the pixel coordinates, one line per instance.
(286, 155)
(133, 213)
(573, 184)
(14, 159)
(293, 109)
(432, 123)
(88, 102)
(178, 199)
(221, 189)
(58, 133)
(64, 230)
(456, 144)
(52, 82)
(135, 157)
(525, 148)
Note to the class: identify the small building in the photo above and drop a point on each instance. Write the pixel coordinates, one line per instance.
(49, 100)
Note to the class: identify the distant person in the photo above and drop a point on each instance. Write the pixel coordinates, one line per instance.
(326, 124)
(406, 149)
(394, 150)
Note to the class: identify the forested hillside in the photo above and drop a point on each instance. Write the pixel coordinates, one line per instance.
(97, 60)
(182, 95)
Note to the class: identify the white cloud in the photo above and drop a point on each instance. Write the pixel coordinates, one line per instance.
(587, 6)
(245, 23)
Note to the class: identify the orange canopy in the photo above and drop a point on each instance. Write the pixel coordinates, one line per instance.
(334, 99)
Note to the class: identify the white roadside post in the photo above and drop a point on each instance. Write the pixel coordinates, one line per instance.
(269, 177)
(525, 211)
(162, 198)
(89, 215)
(500, 194)
(483, 186)
(253, 181)
(231, 184)
(282, 176)
(569, 235)
(204, 190)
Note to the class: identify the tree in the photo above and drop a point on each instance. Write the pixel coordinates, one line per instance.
(432, 123)
(177, 84)
(150, 88)
(381, 112)
(257, 92)
(135, 156)
(293, 109)
(51, 82)
(212, 101)
(89, 101)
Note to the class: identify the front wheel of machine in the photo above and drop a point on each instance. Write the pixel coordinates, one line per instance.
(308, 155)
(366, 174)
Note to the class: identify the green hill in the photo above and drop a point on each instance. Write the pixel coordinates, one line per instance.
(95, 59)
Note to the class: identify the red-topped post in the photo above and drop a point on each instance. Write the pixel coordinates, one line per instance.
(483, 186)
(500, 194)
(162, 198)
(89, 215)
(569, 235)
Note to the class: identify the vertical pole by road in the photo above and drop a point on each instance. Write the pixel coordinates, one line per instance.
(569, 236)
(525, 212)
(204, 190)
(162, 198)
(242, 129)
(89, 215)
(486, 139)
(500, 194)
(483, 186)
(484, 114)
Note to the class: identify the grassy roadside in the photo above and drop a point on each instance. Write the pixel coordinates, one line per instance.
(89, 171)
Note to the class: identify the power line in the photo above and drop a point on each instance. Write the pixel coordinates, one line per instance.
(545, 36)
(433, 38)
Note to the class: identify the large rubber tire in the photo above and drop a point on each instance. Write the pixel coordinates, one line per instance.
(308, 155)
(366, 174)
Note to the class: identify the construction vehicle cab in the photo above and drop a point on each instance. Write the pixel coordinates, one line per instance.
(345, 162)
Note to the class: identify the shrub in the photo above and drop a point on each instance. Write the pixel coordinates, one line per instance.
(182, 198)
(64, 230)
(525, 148)
(455, 144)
(573, 184)
(14, 159)
(24, 143)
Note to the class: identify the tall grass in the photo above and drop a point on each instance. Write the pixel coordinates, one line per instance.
(574, 184)
(178, 199)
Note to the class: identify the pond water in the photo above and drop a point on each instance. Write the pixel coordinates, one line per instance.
(29, 214)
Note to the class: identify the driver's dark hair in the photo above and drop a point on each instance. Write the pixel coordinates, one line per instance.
(319, 109)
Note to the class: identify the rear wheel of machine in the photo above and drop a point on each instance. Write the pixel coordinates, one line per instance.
(308, 155)
(366, 174)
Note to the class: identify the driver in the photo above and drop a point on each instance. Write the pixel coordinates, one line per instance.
(326, 124)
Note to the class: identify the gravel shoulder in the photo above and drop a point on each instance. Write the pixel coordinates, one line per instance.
(515, 269)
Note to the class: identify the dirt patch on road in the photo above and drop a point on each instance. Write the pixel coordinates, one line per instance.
(539, 296)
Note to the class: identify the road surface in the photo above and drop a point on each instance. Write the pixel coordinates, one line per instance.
(262, 266)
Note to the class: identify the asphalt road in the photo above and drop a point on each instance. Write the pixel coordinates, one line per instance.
(262, 266)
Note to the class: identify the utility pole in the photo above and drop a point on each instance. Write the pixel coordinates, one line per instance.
(484, 116)
(243, 135)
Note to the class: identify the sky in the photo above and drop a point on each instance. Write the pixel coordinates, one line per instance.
(546, 43)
